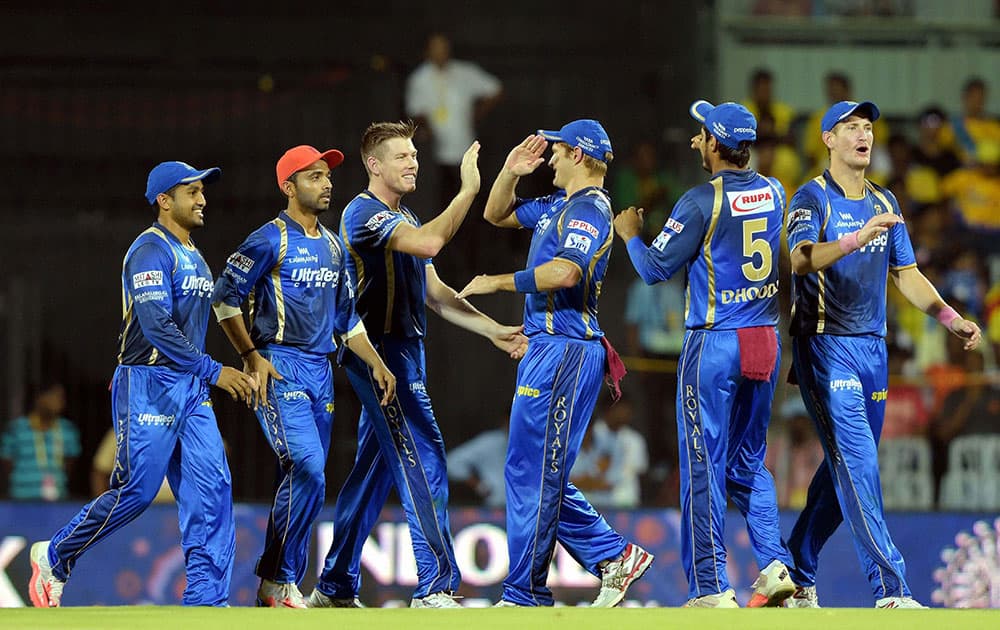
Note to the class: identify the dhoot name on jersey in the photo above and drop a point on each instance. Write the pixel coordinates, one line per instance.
(578, 241)
(754, 201)
(196, 283)
(241, 262)
(749, 294)
(377, 219)
(576, 224)
(323, 274)
(143, 279)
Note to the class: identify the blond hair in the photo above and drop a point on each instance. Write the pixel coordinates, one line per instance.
(379, 132)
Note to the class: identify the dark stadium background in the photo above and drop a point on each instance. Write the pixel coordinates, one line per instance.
(92, 95)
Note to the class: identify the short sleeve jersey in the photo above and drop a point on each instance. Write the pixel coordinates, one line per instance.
(847, 298)
(392, 285)
(577, 230)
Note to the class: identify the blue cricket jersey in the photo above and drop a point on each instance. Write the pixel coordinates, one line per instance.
(578, 230)
(847, 298)
(392, 286)
(727, 233)
(166, 301)
(298, 286)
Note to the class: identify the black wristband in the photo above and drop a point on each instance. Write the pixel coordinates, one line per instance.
(247, 353)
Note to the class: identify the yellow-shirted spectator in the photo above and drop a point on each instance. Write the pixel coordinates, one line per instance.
(964, 133)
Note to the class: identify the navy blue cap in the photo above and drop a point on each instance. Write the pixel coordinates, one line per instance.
(730, 123)
(166, 175)
(843, 109)
(587, 134)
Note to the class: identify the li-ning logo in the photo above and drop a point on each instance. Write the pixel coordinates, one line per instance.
(839, 384)
(155, 420)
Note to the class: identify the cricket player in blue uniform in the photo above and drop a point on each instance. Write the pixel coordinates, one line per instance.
(846, 237)
(294, 273)
(400, 445)
(726, 233)
(560, 377)
(162, 411)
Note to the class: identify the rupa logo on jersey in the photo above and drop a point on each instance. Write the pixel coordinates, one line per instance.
(579, 242)
(576, 224)
(145, 279)
(755, 201)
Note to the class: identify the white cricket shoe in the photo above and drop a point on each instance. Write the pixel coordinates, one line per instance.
(436, 600)
(803, 597)
(279, 595)
(772, 587)
(725, 599)
(618, 575)
(45, 590)
(318, 599)
(898, 602)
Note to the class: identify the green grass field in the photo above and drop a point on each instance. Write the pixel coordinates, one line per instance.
(137, 617)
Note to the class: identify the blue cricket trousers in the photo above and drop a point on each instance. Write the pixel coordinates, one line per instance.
(843, 380)
(297, 421)
(722, 420)
(165, 426)
(398, 446)
(558, 382)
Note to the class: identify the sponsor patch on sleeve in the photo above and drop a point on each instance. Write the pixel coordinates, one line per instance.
(799, 214)
(145, 279)
(661, 240)
(241, 262)
(377, 219)
(675, 225)
(579, 242)
(576, 224)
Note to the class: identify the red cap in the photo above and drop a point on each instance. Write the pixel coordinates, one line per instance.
(297, 158)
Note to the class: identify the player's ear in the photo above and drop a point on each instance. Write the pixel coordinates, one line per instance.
(163, 201)
(288, 188)
(373, 166)
(828, 139)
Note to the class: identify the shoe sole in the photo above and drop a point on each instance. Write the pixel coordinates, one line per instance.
(637, 572)
(776, 600)
(36, 589)
(271, 603)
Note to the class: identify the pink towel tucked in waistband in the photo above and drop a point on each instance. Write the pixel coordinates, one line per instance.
(614, 369)
(758, 351)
